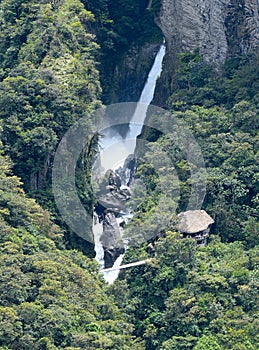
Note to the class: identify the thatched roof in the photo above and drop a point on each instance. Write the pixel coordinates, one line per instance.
(193, 221)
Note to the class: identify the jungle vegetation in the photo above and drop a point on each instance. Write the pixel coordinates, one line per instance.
(193, 297)
(53, 56)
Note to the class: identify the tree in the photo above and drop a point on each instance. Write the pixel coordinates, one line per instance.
(207, 342)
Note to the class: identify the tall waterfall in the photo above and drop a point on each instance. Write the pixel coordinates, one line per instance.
(146, 97)
(116, 148)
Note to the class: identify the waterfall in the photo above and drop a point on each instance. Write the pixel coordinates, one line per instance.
(146, 97)
(112, 156)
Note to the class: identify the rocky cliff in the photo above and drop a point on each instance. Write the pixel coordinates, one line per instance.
(130, 73)
(219, 28)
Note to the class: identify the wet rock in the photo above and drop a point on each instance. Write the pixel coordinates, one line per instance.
(114, 180)
(113, 196)
(110, 211)
(111, 239)
(126, 172)
(130, 73)
(114, 201)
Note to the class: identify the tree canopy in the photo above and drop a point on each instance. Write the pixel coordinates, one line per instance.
(56, 56)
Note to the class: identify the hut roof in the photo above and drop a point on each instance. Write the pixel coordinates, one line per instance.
(193, 221)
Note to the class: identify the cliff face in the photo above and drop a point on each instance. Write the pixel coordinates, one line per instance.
(219, 28)
(130, 73)
(242, 26)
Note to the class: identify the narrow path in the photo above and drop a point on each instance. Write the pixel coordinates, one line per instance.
(137, 263)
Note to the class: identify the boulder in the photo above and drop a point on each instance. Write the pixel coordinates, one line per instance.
(114, 201)
(111, 239)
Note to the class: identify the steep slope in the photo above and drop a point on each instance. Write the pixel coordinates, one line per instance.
(219, 29)
(129, 42)
(50, 298)
(191, 297)
(49, 80)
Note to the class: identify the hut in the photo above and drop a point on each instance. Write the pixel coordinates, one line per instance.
(195, 224)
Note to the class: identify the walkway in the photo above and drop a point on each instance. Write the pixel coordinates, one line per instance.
(137, 263)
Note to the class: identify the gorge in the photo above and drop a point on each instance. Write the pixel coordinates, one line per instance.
(220, 30)
(64, 66)
(115, 150)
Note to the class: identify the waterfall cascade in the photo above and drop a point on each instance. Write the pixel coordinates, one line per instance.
(115, 150)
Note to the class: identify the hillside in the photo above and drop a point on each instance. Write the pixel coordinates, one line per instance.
(60, 60)
(51, 298)
(193, 297)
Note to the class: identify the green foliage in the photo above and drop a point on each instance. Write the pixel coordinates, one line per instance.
(175, 343)
(121, 26)
(228, 137)
(230, 153)
(192, 297)
(207, 342)
(131, 22)
(52, 83)
(188, 297)
(50, 298)
(49, 80)
(192, 72)
(197, 83)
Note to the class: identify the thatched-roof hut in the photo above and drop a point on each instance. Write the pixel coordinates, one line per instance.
(196, 224)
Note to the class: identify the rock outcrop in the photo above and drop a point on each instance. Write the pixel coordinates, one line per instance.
(130, 73)
(111, 239)
(220, 29)
(217, 27)
(109, 210)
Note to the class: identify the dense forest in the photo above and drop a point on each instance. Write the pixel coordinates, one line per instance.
(57, 58)
(193, 297)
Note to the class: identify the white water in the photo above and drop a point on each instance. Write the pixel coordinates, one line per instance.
(145, 99)
(116, 149)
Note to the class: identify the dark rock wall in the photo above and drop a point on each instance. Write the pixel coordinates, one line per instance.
(130, 73)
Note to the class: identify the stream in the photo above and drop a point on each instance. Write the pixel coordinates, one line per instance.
(115, 149)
